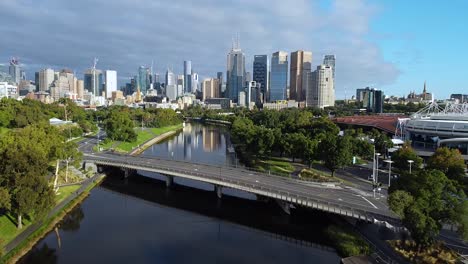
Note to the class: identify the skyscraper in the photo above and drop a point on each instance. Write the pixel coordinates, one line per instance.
(321, 93)
(171, 85)
(195, 83)
(210, 89)
(301, 62)
(278, 76)
(94, 84)
(15, 70)
(111, 82)
(144, 79)
(188, 77)
(260, 74)
(46, 77)
(329, 60)
(235, 73)
(219, 75)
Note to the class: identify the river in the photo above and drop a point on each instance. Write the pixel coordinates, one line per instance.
(139, 220)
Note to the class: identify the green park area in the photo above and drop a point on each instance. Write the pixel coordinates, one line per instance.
(8, 224)
(276, 166)
(143, 135)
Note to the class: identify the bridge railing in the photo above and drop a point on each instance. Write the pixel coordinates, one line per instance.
(302, 199)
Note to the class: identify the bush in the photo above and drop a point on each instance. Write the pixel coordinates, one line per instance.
(347, 242)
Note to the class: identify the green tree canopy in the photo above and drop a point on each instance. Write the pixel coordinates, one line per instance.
(450, 162)
(401, 157)
(336, 152)
(119, 126)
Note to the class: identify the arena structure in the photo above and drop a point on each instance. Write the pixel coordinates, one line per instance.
(434, 126)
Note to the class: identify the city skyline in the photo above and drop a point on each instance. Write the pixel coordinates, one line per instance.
(374, 48)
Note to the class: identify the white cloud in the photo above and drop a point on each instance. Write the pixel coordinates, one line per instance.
(127, 33)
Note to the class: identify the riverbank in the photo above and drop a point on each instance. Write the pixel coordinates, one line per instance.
(165, 132)
(20, 245)
(144, 135)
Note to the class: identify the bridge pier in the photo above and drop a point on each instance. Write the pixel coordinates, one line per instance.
(128, 172)
(169, 181)
(285, 206)
(90, 166)
(219, 191)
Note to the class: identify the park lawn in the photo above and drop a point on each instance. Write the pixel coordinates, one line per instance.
(160, 130)
(8, 229)
(142, 137)
(64, 192)
(275, 166)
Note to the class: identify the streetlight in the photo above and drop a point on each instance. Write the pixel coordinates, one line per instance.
(410, 162)
(389, 170)
(377, 168)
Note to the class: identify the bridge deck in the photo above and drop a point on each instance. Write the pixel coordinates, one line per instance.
(332, 199)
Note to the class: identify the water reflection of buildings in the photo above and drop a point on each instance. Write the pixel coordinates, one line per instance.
(211, 139)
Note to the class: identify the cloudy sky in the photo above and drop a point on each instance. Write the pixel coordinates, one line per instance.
(391, 44)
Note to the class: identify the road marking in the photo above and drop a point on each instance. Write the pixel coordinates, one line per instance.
(369, 202)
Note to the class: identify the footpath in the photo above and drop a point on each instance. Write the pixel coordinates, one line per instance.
(35, 226)
(149, 143)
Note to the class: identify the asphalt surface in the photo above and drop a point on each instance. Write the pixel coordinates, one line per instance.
(337, 196)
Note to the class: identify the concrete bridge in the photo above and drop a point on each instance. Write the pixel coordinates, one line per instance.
(286, 191)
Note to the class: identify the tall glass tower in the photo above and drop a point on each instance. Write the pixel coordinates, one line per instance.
(235, 73)
(188, 77)
(278, 76)
(329, 60)
(143, 79)
(260, 74)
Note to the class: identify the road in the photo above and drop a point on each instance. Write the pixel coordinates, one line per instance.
(342, 197)
(86, 145)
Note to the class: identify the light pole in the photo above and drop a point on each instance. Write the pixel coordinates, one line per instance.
(389, 170)
(377, 168)
(410, 162)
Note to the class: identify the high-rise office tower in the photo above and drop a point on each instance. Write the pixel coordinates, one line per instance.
(171, 85)
(64, 85)
(94, 81)
(110, 82)
(46, 77)
(329, 60)
(80, 89)
(14, 70)
(144, 79)
(278, 76)
(235, 73)
(188, 77)
(301, 63)
(195, 83)
(260, 74)
(210, 89)
(219, 75)
(322, 92)
(36, 81)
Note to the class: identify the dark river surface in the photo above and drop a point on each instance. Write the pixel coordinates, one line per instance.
(139, 220)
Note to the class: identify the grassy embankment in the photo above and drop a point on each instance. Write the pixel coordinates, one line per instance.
(8, 228)
(142, 137)
(347, 242)
(276, 166)
(14, 255)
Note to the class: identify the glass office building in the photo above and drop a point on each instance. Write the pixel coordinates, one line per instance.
(278, 76)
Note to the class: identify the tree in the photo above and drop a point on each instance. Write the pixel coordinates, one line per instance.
(450, 162)
(425, 200)
(24, 159)
(119, 126)
(310, 151)
(399, 201)
(401, 157)
(335, 152)
(5, 198)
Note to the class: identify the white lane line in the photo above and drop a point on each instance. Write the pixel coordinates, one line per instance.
(369, 202)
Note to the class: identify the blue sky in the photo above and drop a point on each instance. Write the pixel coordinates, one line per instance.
(427, 40)
(393, 45)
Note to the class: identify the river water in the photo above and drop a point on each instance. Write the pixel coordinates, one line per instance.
(139, 220)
